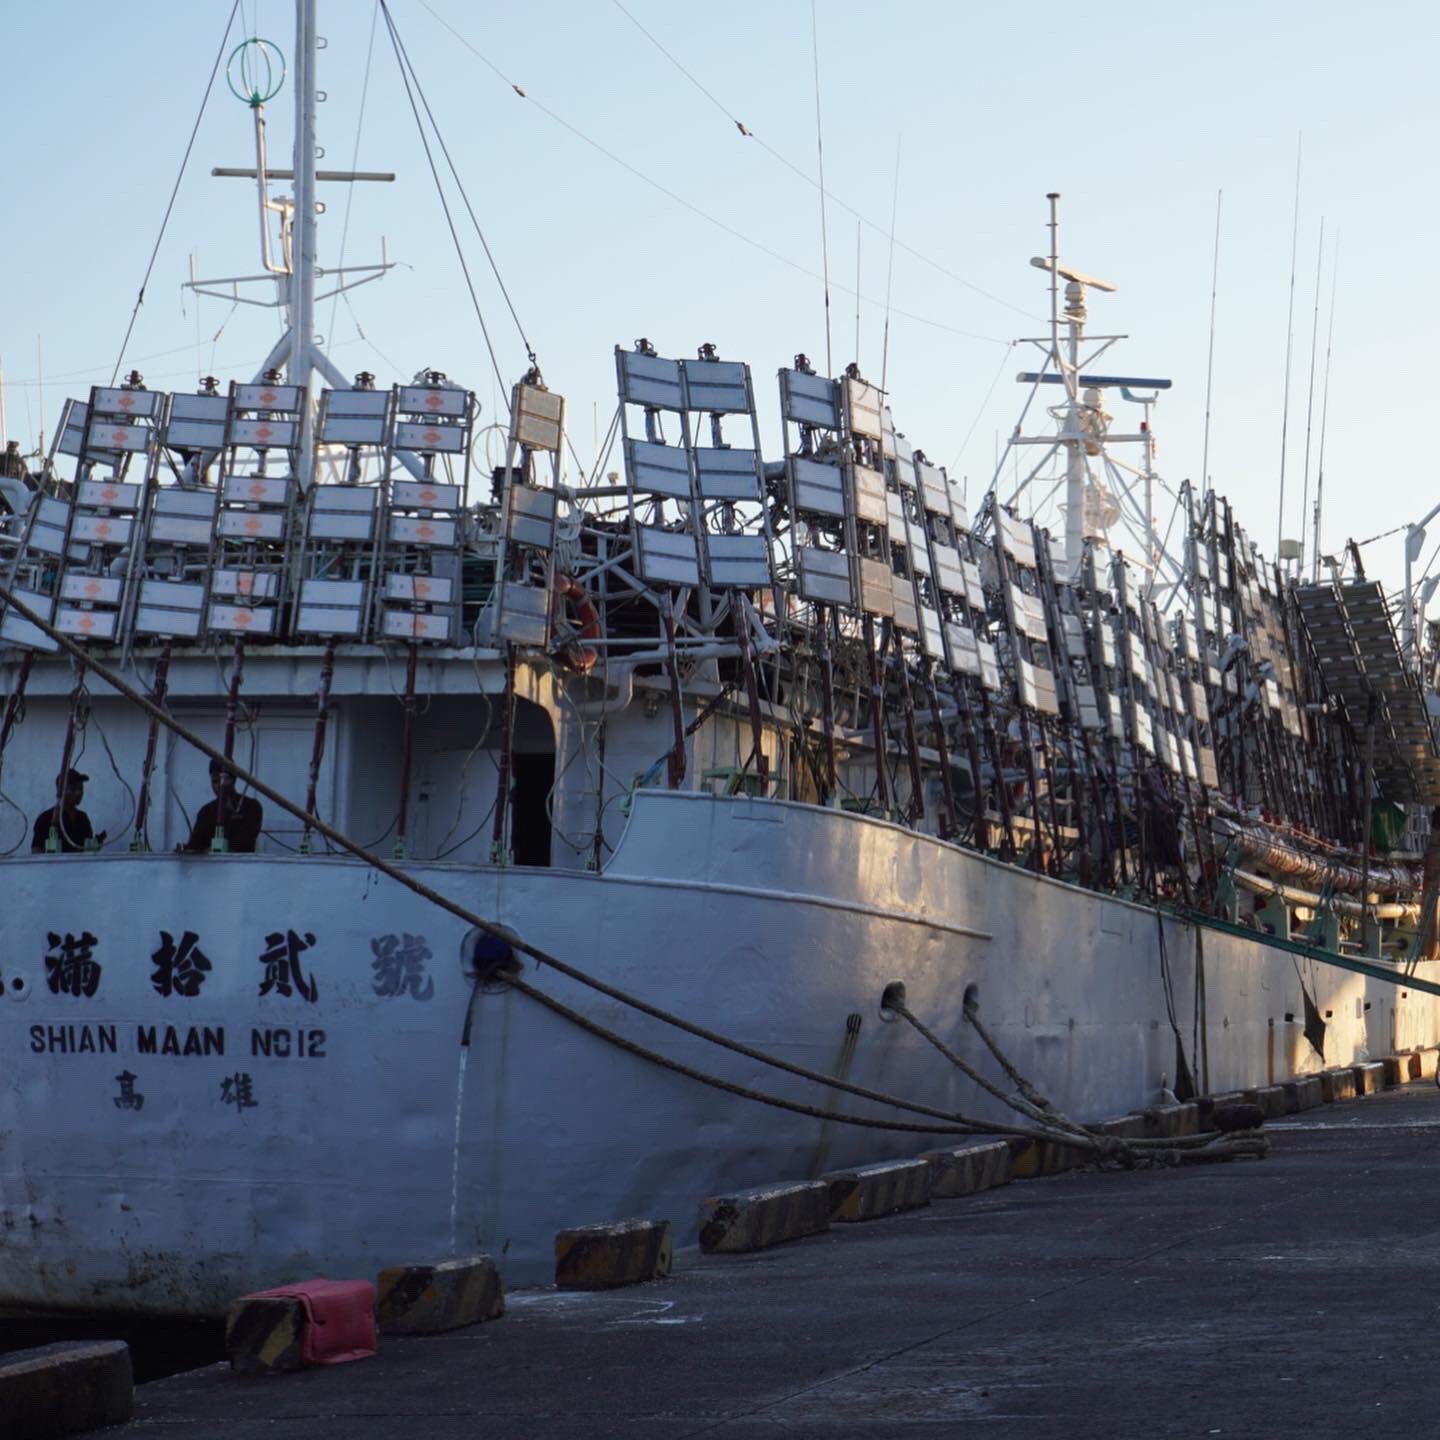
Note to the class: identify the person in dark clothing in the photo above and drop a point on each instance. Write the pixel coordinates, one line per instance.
(242, 818)
(73, 824)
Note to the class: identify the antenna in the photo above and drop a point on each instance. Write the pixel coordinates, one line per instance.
(857, 291)
(1325, 410)
(890, 268)
(1289, 344)
(1065, 272)
(1310, 402)
(820, 162)
(255, 74)
(1210, 354)
(40, 390)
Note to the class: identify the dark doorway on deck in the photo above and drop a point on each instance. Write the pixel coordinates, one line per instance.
(534, 773)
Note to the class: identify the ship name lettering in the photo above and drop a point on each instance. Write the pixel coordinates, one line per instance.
(297, 1044)
(173, 1040)
(73, 1040)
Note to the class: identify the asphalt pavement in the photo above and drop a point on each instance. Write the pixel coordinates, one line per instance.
(1297, 1295)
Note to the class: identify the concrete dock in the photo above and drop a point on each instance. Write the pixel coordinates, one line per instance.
(1293, 1296)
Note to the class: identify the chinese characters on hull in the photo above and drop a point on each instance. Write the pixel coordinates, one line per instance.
(284, 974)
(238, 1090)
(179, 969)
(129, 1098)
(70, 966)
(399, 967)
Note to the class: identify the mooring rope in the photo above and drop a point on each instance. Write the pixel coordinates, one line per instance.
(1022, 1104)
(957, 1123)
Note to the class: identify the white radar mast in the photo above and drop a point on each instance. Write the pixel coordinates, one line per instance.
(1101, 492)
(255, 73)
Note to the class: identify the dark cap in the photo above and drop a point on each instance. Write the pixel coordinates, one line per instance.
(217, 767)
(74, 777)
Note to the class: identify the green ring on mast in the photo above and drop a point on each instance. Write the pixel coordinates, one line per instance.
(252, 54)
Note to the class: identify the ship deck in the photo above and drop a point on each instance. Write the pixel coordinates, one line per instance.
(1280, 1297)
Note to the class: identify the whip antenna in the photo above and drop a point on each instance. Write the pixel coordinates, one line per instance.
(1289, 344)
(890, 268)
(1310, 402)
(1325, 408)
(1210, 355)
(820, 159)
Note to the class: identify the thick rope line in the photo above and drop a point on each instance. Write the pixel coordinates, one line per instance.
(1051, 1119)
(488, 927)
(716, 1083)
(959, 1124)
(972, 1016)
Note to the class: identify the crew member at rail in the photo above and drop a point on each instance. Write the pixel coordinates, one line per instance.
(72, 825)
(242, 818)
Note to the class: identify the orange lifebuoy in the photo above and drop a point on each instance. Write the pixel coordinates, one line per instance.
(576, 655)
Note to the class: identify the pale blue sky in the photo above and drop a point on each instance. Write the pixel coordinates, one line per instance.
(1138, 115)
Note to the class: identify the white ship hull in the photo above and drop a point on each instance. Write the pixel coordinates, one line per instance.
(279, 1137)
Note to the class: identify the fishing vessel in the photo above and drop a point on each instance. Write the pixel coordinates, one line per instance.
(602, 814)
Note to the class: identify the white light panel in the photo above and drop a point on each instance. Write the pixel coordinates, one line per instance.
(658, 469)
(651, 381)
(424, 495)
(812, 400)
(666, 557)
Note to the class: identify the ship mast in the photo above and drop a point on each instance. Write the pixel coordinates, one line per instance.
(255, 74)
(1083, 428)
(304, 354)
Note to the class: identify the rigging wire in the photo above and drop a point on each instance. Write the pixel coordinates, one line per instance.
(1310, 402)
(1210, 351)
(1325, 406)
(1289, 344)
(980, 411)
(402, 62)
(747, 133)
(459, 185)
(350, 189)
(857, 291)
(680, 200)
(890, 271)
(820, 161)
(175, 191)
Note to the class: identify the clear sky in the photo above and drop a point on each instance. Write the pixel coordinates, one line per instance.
(1138, 115)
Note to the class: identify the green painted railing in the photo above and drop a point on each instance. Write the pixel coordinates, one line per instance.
(1311, 952)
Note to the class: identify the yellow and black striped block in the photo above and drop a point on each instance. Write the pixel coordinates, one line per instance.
(871, 1191)
(265, 1334)
(601, 1257)
(967, 1169)
(430, 1299)
(754, 1219)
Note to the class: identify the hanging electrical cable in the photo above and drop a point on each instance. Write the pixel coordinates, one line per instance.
(749, 134)
(689, 205)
